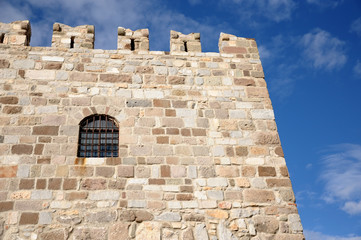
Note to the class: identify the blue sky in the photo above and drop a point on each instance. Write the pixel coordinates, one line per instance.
(311, 55)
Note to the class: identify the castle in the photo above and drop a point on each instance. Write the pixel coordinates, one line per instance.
(138, 144)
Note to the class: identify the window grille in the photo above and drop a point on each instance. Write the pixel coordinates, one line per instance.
(98, 137)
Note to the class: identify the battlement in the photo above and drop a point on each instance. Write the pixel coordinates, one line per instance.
(15, 33)
(66, 37)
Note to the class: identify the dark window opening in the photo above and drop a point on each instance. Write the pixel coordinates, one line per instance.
(2, 36)
(132, 45)
(185, 47)
(98, 137)
(72, 42)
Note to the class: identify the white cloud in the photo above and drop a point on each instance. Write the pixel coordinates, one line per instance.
(10, 13)
(357, 69)
(312, 235)
(323, 50)
(264, 52)
(275, 10)
(325, 4)
(342, 176)
(356, 26)
(352, 208)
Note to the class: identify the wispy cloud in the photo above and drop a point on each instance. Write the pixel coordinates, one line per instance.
(312, 235)
(356, 26)
(275, 10)
(323, 50)
(325, 4)
(341, 175)
(357, 69)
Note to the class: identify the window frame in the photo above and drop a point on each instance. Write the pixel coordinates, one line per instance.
(98, 137)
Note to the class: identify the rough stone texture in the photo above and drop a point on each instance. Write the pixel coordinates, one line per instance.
(198, 152)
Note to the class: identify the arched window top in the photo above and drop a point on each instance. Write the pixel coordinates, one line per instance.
(98, 136)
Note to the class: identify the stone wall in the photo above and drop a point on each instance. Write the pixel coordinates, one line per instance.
(199, 153)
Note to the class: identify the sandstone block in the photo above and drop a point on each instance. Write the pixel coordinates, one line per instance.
(266, 224)
(29, 218)
(168, 217)
(58, 234)
(258, 196)
(118, 231)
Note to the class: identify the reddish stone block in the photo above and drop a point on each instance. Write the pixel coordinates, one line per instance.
(170, 113)
(161, 103)
(163, 140)
(165, 171)
(8, 171)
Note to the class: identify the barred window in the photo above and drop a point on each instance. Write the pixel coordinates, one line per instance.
(98, 137)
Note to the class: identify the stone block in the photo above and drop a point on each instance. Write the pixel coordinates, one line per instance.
(258, 196)
(57, 234)
(29, 218)
(118, 231)
(168, 217)
(266, 224)
(104, 195)
(126, 171)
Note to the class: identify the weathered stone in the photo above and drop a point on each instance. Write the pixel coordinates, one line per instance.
(224, 233)
(29, 218)
(200, 232)
(118, 231)
(266, 224)
(168, 217)
(258, 196)
(149, 231)
(93, 233)
(58, 234)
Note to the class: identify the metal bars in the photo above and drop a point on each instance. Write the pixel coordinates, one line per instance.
(98, 137)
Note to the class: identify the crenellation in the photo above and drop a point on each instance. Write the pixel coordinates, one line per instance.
(180, 42)
(198, 152)
(15, 33)
(137, 40)
(65, 36)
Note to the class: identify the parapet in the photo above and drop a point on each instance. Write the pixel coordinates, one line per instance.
(231, 44)
(180, 42)
(15, 33)
(65, 36)
(133, 40)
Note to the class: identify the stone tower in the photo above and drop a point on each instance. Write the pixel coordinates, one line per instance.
(138, 144)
